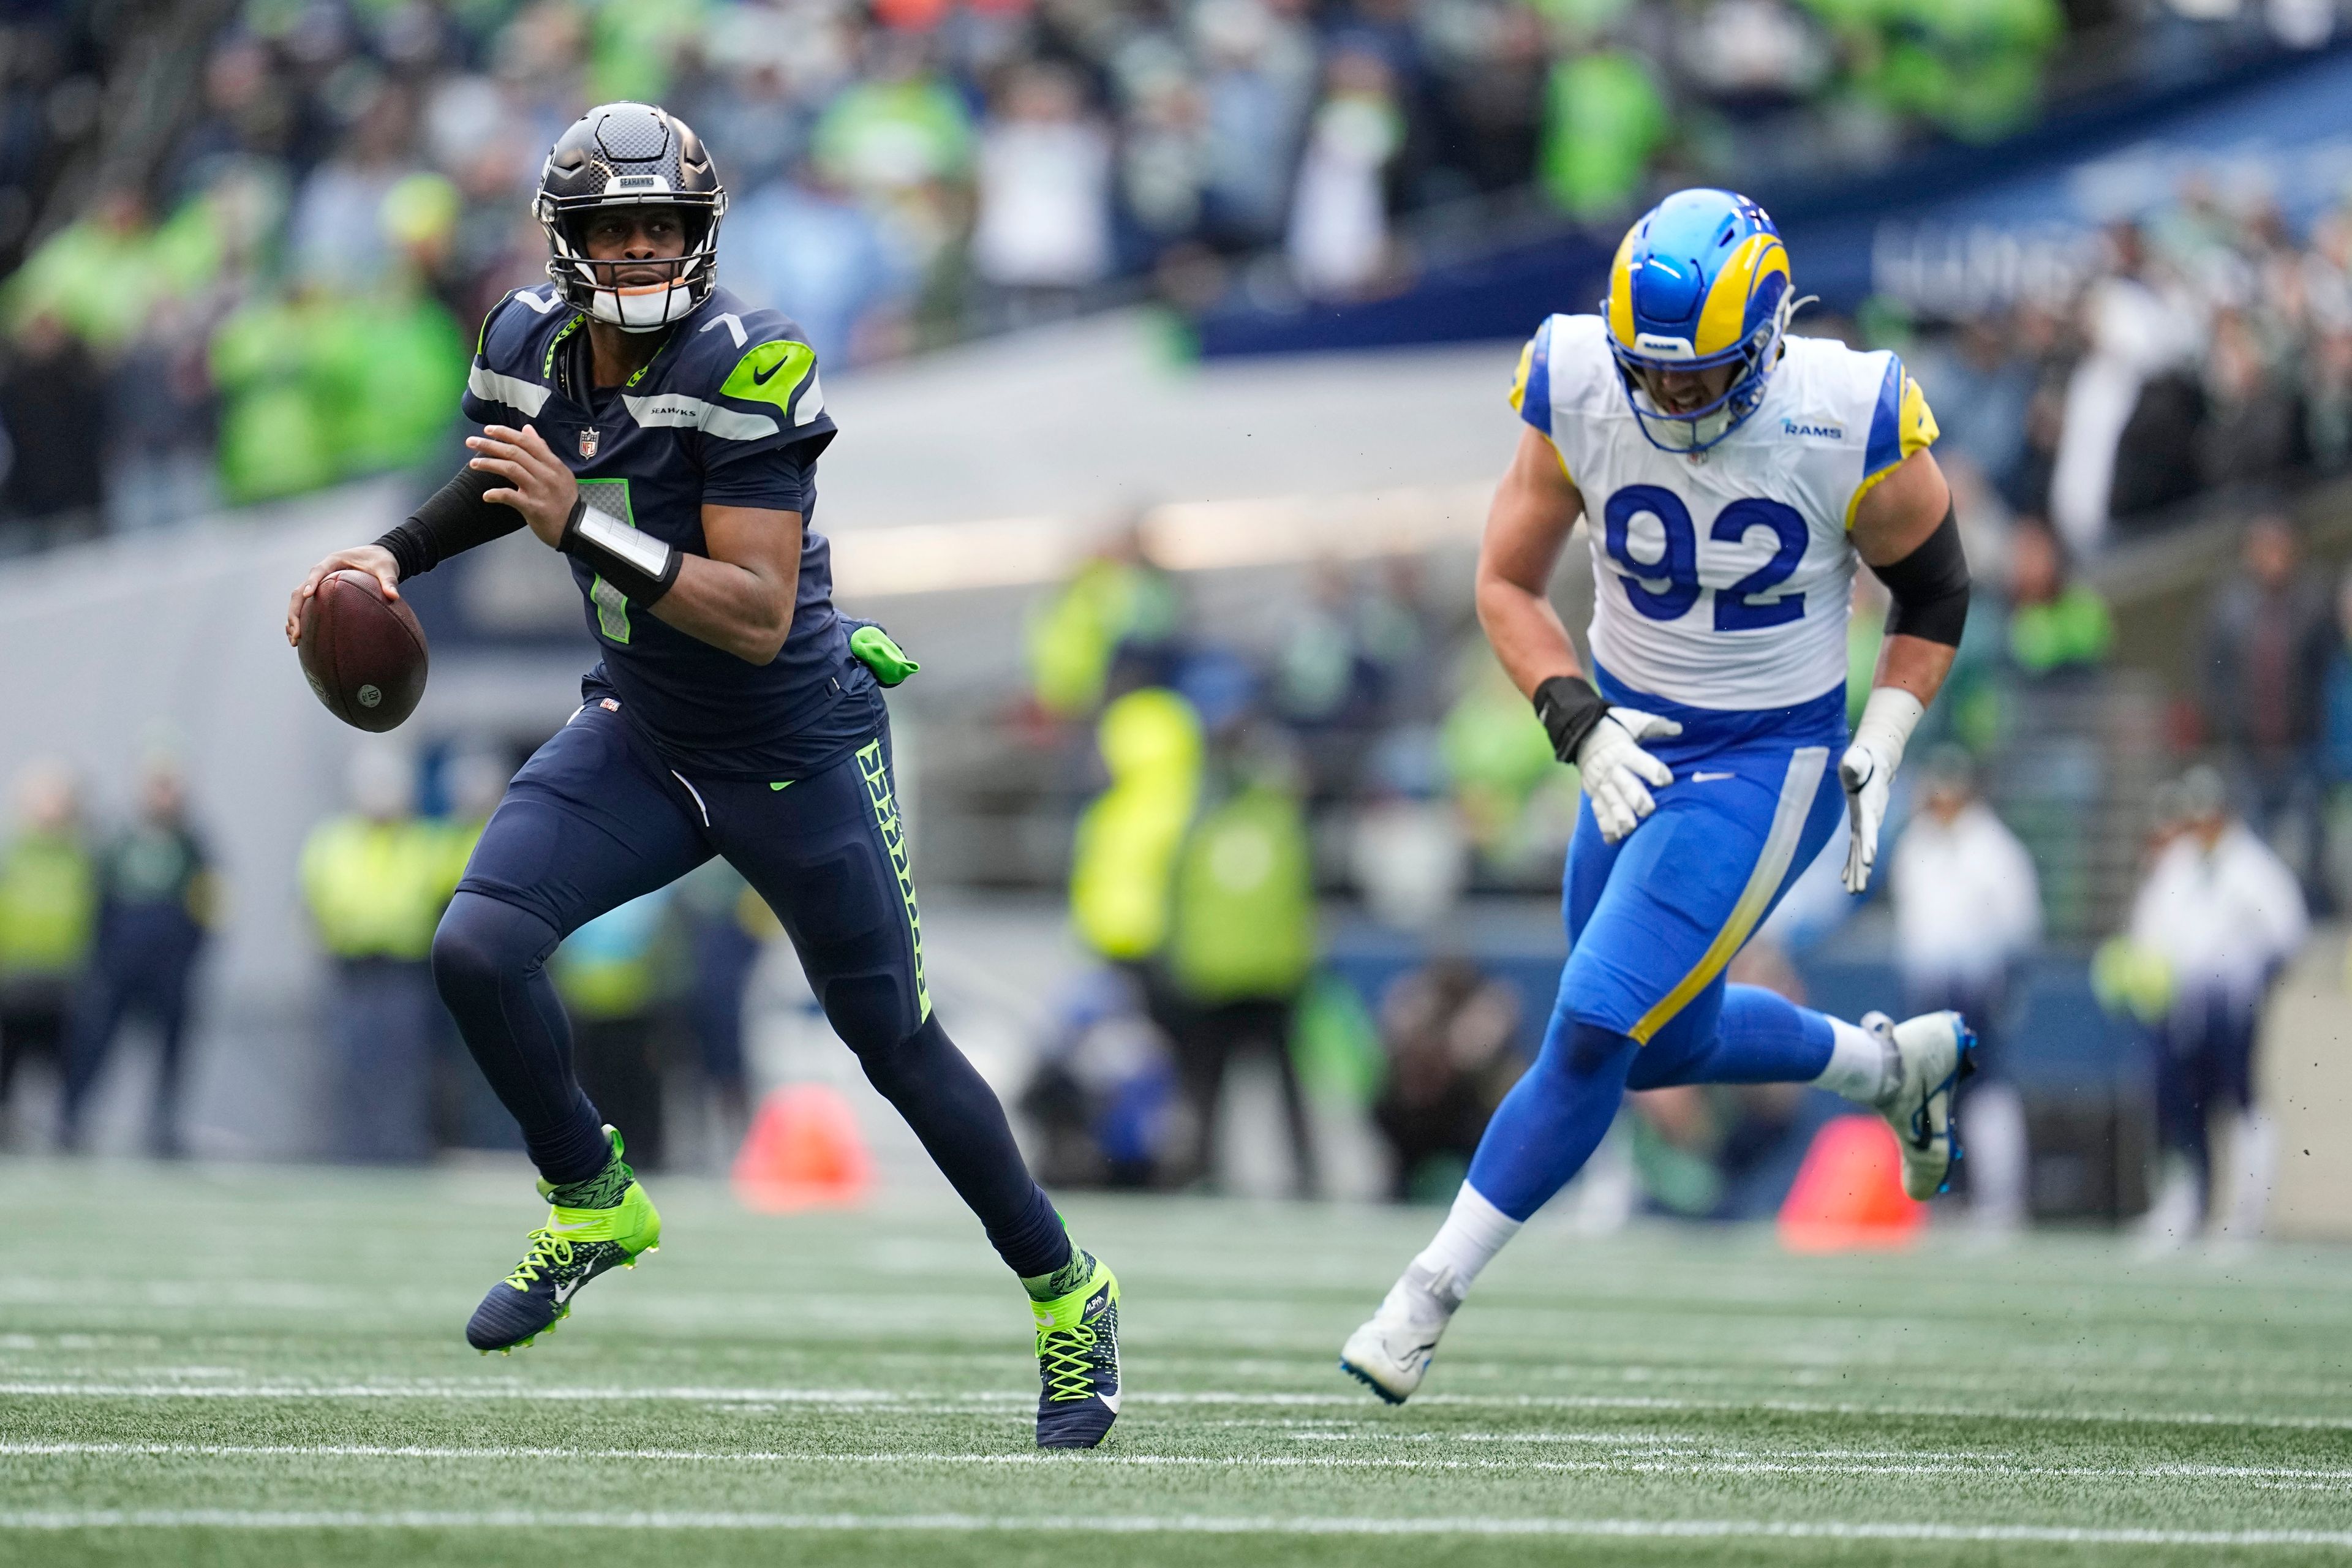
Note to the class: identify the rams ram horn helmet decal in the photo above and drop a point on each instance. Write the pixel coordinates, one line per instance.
(1701, 280)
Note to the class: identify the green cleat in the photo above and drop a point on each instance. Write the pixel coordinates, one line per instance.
(593, 1226)
(1077, 1361)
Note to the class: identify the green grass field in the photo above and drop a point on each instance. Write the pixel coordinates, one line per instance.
(251, 1367)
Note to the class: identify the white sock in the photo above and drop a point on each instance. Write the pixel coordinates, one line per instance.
(1996, 1157)
(1857, 1066)
(1472, 1233)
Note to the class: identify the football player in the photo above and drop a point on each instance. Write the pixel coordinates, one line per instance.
(662, 437)
(1730, 476)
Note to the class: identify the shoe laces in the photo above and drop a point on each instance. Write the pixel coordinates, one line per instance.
(1068, 1358)
(549, 1253)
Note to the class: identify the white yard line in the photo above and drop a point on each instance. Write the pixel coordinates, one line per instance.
(1638, 1460)
(1175, 1525)
(867, 1399)
(2117, 1378)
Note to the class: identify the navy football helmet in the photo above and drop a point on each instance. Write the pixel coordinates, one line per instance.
(630, 154)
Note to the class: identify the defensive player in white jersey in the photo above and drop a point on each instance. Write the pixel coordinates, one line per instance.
(1730, 477)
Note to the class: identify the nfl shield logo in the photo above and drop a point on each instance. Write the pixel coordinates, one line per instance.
(588, 442)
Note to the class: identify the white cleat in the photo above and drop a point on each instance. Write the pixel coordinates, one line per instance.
(1390, 1353)
(1928, 1056)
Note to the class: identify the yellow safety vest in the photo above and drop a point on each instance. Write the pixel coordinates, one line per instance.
(48, 905)
(1243, 909)
(1128, 837)
(377, 889)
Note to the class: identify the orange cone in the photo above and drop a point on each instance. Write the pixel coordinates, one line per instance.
(1849, 1192)
(804, 1151)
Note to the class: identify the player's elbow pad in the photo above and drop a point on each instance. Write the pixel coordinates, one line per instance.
(1930, 587)
(453, 519)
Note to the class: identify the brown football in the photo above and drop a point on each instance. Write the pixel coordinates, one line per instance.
(361, 653)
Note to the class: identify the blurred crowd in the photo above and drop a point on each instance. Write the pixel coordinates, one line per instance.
(279, 296)
(2207, 347)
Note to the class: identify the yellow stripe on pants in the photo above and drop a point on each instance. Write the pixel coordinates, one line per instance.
(1798, 786)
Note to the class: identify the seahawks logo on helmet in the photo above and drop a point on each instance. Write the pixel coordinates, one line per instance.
(630, 154)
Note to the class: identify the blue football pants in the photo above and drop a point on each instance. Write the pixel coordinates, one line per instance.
(1653, 922)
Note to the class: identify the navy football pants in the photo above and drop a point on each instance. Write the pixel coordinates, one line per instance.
(596, 819)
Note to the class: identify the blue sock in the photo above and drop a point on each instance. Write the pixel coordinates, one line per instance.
(1554, 1117)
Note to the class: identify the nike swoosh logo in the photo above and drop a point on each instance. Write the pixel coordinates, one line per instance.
(565, 1292)
(1710, 778)
(783, 784)
(762, 378)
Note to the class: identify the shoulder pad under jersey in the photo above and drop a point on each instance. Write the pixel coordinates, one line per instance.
(740, 373)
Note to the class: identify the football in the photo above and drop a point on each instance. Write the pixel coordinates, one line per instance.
(361, 653)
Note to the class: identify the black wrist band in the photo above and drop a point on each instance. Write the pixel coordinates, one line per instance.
(1569, 709)
(641, 566)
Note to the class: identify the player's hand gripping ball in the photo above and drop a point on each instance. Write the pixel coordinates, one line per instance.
(362, 652)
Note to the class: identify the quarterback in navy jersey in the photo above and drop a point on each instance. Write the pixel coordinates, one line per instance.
(662, 437)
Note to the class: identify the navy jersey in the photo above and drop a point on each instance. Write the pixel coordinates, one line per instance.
(730, 411)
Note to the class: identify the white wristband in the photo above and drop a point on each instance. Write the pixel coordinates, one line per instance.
(641, 566)
(609, 533)
(1887, 720)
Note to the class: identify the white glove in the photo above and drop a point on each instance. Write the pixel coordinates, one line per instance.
(1616, 770)
(1867, 772)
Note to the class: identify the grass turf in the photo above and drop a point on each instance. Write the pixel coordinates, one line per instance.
(250, 1367)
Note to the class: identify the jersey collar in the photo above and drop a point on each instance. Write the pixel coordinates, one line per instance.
(574, 369)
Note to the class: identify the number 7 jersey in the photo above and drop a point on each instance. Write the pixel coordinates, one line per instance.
(1722, 580)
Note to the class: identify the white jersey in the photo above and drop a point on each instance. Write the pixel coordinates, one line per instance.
(2224, 918)
(1722, 580)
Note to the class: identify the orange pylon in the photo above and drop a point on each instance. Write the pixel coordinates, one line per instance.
(1849, 1192)
(804, 1151)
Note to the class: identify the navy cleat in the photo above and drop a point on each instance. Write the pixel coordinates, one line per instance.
(1077, 1362)
(594, 1226)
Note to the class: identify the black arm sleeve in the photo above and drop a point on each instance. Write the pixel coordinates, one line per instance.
(1930, 586)
(454, 517)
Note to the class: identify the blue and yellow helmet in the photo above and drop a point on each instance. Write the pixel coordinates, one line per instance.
(1701, 280)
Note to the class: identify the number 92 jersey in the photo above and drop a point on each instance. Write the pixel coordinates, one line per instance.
(1723, 581)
